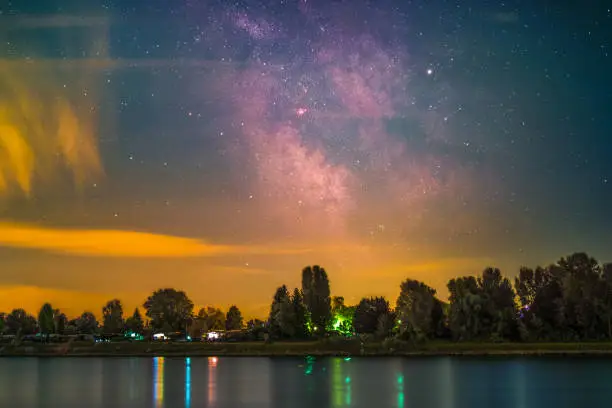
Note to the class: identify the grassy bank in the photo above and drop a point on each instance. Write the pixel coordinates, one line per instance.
(345, 348)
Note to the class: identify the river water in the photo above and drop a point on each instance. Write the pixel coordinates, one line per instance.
(227, 382)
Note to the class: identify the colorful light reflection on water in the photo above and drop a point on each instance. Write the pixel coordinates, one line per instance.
(187, 382)
(158, 381)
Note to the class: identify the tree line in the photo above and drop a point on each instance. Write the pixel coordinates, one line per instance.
(570, 300)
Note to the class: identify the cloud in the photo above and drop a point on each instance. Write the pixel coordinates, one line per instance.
(134, 244)
(106, 243)
(45, 126)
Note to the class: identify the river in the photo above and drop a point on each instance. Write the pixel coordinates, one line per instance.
(297, 383)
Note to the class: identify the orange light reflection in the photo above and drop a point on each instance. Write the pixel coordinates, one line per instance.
(212, 380)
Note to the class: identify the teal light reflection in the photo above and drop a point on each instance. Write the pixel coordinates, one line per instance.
(187, 382)
(347, 396)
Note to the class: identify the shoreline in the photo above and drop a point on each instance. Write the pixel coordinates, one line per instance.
(305, 349)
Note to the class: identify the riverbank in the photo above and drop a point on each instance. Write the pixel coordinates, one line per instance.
(302, 349)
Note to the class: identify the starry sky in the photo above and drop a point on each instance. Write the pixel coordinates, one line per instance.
(218, 147)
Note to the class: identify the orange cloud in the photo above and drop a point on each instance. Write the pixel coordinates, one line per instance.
(112, 243)
(133, 244)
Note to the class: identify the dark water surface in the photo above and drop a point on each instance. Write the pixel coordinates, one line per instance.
(298, 383)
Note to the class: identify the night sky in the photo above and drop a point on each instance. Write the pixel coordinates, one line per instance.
(218, 147)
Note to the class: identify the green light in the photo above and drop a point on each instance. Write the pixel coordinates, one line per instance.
(347, 380)
(400, 391)
(347, 359)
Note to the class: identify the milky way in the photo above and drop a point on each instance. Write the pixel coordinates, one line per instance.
(314, 122)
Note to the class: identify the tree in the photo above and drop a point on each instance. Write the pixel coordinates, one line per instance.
(569, 300)
(254, 324)
(213, 318)
(256, 329)
(368, 313)
(465, 304)
(301, 315)
(498, 314)
(169, 307)
(87, 323)
(337, 304)
(112, 317)
(46, 320)
(385, 325)
(60, 321)
(19, 322)
(282, 316)
(418, 310)
(2, 319)
(316, 294)
(342, 316)
(540, 294)
(482, 308)
(584, 296)
(233, 319)
(134, 323)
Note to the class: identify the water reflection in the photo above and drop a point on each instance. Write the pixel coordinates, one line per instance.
(303, 383)
(212, 380)
(400, 390)
(340, 383)
(158, 381)
(188, 382)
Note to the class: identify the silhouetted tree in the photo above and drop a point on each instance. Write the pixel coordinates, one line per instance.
(498, 315)
(2, 322)
(584, 294)
(255, 324)
(282, 316)
(46, 320)
(19, 322)
(256, 329)
(385, 325)
(213, 318)
(368, 313)
(465, 304)
(301, 315)
(87, 323)
(482, 308)
(134, 323)
(569, 300)
(169, 309)
(233, 319)
(540, 293)
(316, 294)
(419, 312)
(60, 321)
(112, 317)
